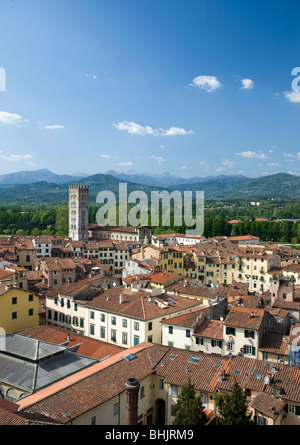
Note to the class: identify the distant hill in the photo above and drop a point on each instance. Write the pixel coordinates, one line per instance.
(44, 192)
(30, 177)
(280, 185)
(161, 180)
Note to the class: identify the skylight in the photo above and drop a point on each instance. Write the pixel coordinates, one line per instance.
(130, 357)
(194, 359)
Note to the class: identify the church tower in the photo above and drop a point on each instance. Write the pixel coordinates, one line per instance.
(79, 212)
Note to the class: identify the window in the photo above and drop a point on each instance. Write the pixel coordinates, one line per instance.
(124, 338)
(188, 333)
(142, 392)
(115, 409)
(124, 323)
(113, 335)
(150, 326)
(30, 312)
(199, 340)
(174, 391)
(161, 384)
(75, 307)
(113, 320)
(170, 329)
(136, 326)
(171, 344)
(261, 420)
(14, 300)
(249, 350)
(14, 316)
(30, 297)
(92, 329)
(230, 331)
(150, 339)
(249, 334)
(216, 343)
(93, 420)
(92, 314)
(102, 317)
(230, 346)
(82, 323)
(102, 332)
(49, 315)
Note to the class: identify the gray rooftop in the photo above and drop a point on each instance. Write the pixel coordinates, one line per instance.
(30, 365)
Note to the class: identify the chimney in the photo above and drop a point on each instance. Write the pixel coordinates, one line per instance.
(121, 298)
(132, 387)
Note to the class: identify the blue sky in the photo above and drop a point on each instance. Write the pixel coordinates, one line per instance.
(194, 88)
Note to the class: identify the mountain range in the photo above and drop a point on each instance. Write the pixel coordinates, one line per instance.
(43, 186)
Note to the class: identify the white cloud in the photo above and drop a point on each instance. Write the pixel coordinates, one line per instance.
(288, 155)
(207, 83)
(162, 146)
(273, 164)
(292, 96)
(125, 164)
(133, 128)
(247, 84)
(104, 156)
(183, 167)
(91, 76)
(228, 164)
(220, 169)
(53, 127)
(252, 154)
(204, 165)
(175, 131)
(158, 159)
(10, 118)
(15, 158)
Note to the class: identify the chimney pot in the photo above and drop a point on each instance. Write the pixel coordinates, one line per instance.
(132, 387)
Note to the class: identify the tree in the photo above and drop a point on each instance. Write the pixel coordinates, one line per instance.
(189, 409)
(62, 221)
(232, 408)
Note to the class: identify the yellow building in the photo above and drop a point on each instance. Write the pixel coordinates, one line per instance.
(19, 309)
(172, 259)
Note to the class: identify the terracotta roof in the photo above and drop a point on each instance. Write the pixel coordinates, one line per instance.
(86, 345)
(241, 317)
(140, 305)
(188, 319)
(163, 277)
(274, 344)
(210, 329)
(268, 405)
(5, 274)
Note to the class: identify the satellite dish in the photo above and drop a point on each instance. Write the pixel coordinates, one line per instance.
(114, 284)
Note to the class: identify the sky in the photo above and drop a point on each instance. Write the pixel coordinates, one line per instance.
(189, 87)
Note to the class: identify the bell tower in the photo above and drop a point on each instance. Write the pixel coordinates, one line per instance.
(79, 212)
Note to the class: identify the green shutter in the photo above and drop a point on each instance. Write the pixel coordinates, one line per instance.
(245, 334)
(252, 334)
(245, 349)
(297, 410)
(227, 330)
(233, 331)
(253, 350)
